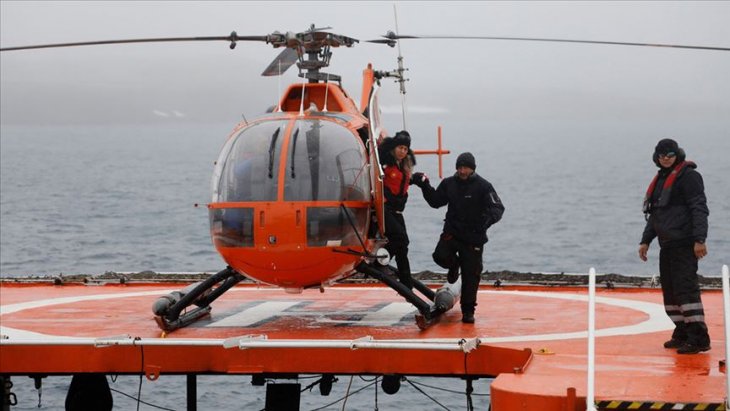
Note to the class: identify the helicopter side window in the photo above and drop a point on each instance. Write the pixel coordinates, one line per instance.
(250, 169)
(325, 162)
(330, 227)
(232, 227)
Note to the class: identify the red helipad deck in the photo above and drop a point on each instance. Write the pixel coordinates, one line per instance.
(532, 338)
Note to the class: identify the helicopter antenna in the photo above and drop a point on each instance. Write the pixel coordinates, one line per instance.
(326, 90)
(278, 95)
(401, 70)
(301, 100)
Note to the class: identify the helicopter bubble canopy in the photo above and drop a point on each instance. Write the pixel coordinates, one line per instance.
(323, 162)
(293, 188)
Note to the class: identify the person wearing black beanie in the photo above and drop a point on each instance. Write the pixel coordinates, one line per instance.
(466, 160)
(676, 213)
(473, 207)
(398, 161)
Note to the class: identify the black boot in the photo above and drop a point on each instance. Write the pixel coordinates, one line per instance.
(690, 348)
(698, 339)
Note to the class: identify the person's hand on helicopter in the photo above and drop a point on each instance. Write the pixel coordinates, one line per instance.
(419, 179)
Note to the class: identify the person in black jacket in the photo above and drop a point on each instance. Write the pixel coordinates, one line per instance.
(397, 160)
(676, 211)
(473, 206)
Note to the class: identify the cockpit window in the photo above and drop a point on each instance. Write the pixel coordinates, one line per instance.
(249, 165)
(325, 162)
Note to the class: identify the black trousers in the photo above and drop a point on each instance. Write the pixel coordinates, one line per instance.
(397, 246)
(451, 253)
(681, 291)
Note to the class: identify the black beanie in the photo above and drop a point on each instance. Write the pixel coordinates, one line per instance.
(402, 138)
(667, 145)
(466, 160)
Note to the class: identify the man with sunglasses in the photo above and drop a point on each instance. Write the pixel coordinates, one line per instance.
(676, 213)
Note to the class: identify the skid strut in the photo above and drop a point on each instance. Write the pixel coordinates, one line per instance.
(429, 312)
(168, 309)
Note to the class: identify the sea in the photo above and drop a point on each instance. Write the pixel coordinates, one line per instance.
(90, 199)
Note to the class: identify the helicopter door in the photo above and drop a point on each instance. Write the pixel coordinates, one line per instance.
(326, 166)
(376, 172)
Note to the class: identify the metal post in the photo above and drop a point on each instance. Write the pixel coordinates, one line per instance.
(726, 311)
(590, 393)
(441, 164)
(7, 397)
(192, 388)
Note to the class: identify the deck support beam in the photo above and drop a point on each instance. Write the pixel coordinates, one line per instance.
(192, 392)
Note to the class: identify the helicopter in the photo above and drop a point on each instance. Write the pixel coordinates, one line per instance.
(297, 196)
(297, 193)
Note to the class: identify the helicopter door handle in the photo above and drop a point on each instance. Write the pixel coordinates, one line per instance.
(261, 218)
(299, 217)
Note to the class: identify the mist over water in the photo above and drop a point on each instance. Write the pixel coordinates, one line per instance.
(91, 199)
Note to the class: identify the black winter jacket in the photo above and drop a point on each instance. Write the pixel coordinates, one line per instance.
(473, 207)
(683, 219)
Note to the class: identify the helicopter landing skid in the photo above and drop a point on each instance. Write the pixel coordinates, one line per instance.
(423, 323)
(183, 320)
(168, 308)
(428, 313)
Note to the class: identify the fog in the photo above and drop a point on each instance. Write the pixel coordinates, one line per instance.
(532, 83)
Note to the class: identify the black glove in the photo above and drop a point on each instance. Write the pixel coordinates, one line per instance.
(419, 179)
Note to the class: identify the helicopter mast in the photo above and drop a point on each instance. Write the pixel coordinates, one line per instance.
(401, 78)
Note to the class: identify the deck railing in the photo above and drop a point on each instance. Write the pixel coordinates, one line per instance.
(590, 394)
(726, 316)
(590, 389)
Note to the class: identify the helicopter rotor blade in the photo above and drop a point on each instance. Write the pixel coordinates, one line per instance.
(282, 62)
(232, 38)
(391, 38)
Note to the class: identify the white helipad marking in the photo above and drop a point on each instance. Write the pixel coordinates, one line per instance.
(13, 308)
(391, 313)
(657, 321)
(387, 316)
(254, 315)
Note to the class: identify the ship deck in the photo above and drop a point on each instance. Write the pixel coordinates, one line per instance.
(532, 339)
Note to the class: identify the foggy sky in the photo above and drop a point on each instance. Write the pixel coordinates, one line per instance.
(449, 79)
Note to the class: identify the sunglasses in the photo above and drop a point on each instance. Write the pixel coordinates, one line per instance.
(670, 154)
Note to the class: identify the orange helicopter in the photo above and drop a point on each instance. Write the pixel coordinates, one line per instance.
(297, 193)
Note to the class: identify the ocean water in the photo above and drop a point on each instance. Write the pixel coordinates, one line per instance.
(237, 393)
(91, 199)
